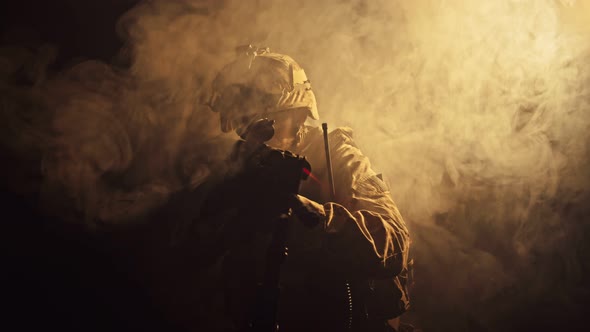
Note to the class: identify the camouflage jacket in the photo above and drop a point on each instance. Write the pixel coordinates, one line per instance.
(362, 241)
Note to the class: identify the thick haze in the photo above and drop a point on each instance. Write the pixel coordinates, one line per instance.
(476, 112)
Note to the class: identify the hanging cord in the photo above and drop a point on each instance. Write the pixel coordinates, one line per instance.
(333, 198)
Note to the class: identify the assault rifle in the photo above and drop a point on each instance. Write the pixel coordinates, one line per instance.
(278, 173)
(261, 184)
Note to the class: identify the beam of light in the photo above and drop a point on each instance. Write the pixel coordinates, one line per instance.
(313, 177)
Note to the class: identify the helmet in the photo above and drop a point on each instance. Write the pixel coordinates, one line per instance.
(260, 82)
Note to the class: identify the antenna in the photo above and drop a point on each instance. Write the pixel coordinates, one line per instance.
(329, 162)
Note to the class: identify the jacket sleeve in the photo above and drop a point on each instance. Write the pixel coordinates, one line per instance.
(363, 228)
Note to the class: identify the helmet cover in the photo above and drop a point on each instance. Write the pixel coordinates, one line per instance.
(260, 82)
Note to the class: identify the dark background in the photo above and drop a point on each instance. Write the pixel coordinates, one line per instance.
(52, 280)
(80, 29)
(57, 277)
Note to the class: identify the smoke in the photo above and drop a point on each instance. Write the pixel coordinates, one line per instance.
(475, 112)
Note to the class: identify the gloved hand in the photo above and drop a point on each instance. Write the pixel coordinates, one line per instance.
(311, 213)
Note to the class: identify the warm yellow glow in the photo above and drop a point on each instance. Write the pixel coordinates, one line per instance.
(477, 112)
